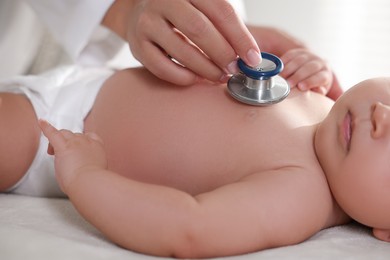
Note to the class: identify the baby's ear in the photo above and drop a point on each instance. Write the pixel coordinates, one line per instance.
(382, 234)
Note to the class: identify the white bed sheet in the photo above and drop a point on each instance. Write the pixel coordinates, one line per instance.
(41, 228)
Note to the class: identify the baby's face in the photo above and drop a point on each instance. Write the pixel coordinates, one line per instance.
(353, 146)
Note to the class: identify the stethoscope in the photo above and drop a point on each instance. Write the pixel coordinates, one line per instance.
(260, 85)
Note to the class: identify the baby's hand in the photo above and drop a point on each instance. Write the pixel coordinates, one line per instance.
(74, 152)
(306, 71)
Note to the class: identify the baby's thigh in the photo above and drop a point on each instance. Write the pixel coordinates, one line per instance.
(19, 138)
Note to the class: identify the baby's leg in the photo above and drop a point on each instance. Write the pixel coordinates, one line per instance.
(19, 138)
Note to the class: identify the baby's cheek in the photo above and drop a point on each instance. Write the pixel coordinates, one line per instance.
(357, 192)
(343, 187)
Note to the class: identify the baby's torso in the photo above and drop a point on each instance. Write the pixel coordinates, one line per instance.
(198, 138)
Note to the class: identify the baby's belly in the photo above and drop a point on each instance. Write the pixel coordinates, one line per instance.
(193, 165)
(194, 139)
(165, 147)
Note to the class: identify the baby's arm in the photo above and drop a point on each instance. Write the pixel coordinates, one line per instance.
(261, 211)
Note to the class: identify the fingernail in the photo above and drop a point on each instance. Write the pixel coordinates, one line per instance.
(253, 58)
(290, 83)
(232, 68)
(224, 78)
(302, 86)
(322, 90)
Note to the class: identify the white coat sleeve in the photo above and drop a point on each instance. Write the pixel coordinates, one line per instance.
(71, 22)
(74, 24)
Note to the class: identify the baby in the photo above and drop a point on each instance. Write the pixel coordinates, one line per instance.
(353, 146)
(190, 172)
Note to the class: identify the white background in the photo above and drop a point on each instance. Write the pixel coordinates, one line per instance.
(352, 35)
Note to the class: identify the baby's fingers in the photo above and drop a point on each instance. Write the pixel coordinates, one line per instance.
(319, 82)
(56, 138)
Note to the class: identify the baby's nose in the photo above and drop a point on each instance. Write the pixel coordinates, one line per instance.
(380, 120)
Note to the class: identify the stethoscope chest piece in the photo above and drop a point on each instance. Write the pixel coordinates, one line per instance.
(259, 86)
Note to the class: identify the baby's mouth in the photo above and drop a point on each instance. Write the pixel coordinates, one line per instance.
(347, 130)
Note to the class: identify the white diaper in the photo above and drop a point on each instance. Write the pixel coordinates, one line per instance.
(63, 97)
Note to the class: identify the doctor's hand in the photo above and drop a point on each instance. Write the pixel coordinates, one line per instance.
(307, 71)
(74, 153)
(181, 40)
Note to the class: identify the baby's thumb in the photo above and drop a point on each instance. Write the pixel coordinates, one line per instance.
(95, 137)
(50, 149)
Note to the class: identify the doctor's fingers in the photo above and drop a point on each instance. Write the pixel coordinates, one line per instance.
(159, 23)
(156, 50)
(157, 62)
(225, 19)
(213, 36)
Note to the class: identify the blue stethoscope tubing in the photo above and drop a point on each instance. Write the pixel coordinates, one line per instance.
(262, 74)
(261, 85)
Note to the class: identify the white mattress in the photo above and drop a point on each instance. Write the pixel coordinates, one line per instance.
(41, 228)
